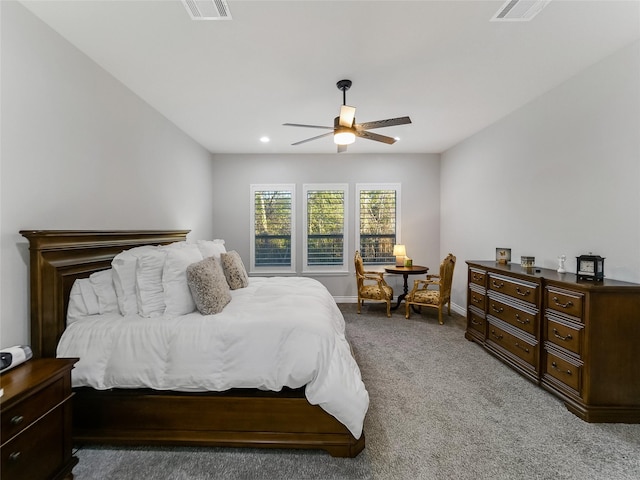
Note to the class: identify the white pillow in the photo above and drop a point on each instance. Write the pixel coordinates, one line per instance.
(149, 291)
(211, 248)
(89, 296)
(124, 279)
(76, 309)
(102, 283)
(177, 296)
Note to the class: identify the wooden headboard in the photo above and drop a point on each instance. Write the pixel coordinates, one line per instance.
(59, 257)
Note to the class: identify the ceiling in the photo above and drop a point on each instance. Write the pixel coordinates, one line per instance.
(227, 83)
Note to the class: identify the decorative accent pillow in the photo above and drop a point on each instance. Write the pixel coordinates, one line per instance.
(89, 296)
(234, 270)
(177, 296)
(208, 286)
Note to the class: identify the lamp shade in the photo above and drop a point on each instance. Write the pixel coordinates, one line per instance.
(399, 251)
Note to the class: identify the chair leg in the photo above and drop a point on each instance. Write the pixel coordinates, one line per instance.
(359, 304)
(440, 315)
(407, 313)
(388, 308)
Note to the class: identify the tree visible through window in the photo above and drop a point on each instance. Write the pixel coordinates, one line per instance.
(378, 222)
(325, 225)
(273, 226)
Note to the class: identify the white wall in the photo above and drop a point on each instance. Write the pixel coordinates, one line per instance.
(80, 151)
(559, 176)
(420, 196)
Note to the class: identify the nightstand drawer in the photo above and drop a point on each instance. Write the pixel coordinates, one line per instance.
(37, 452)
(569, 303)
(20, 416)
(525, 291)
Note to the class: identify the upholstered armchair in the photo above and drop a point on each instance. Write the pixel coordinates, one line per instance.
(423, 296)
(371, 286)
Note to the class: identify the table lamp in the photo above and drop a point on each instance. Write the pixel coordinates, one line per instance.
(399, 251)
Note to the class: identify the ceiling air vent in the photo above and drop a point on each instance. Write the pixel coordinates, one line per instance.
(207, 9)
(519, 10)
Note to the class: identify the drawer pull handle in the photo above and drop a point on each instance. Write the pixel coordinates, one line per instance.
(17, 420)
(475, 299)
(496, 284)
(557, 335)
(499, 337)
(15, 456)
(522, 348)
(521, 293)
(563, 305)
(523, 322)
(555, 365)
(475, 322)
(477, 277)
(496, 309)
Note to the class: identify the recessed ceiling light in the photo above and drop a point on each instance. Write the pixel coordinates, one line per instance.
(265, 139)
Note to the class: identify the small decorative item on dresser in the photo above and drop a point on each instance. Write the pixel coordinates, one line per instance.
(561, 260)
(590, 267)
(527, 262)
(503, 255)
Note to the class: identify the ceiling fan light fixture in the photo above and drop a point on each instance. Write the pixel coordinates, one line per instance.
(344, 136)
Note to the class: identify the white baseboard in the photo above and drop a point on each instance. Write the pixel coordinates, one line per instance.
(456, 308)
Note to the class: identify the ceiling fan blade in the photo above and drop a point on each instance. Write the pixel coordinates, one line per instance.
(306, 126)
(347, 116)
(342, 148)
(389, 122)
(375, 136)
(313, 138)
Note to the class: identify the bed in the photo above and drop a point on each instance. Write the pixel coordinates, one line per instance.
(235, 417)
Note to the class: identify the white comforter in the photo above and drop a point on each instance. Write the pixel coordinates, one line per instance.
(280, 331)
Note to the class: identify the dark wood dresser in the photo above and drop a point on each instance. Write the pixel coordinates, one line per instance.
(36, 420)
(580, 340)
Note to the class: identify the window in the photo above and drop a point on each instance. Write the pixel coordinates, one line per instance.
(378, 221)
(273, 228)
(325, 221)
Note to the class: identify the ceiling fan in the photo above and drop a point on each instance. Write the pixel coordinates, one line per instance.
(345, 129)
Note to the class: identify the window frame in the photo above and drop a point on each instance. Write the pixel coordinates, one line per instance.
(330, 269)
(262, 187)
(397, 187)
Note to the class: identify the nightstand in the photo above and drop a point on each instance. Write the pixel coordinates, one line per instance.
(35, 416)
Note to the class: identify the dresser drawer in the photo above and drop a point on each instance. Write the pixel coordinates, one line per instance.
(520, 318)
(525, 291)
(476, 322)
(477, 276)
(564, 334)
(20, 416)
(37, 452)
(513, 344)
(564, 371)
(567, 302)
(477, 299)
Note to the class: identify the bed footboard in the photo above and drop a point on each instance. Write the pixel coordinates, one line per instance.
(238, 418)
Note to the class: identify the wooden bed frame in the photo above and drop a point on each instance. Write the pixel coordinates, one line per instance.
(235, 418)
